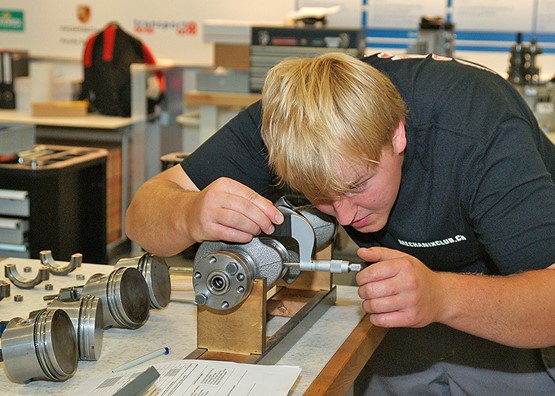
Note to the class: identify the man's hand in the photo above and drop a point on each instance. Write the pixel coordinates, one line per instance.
(230, 211)
(398, 290)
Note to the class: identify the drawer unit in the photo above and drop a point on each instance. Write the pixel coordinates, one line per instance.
(54, 199)
(14, 203)
(11, 250)
(272, 44)
(13, 230)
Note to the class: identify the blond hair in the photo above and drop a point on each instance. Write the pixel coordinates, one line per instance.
(320, 111)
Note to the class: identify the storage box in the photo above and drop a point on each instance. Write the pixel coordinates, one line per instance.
(232, 56)
(223, 80)
(76, 108)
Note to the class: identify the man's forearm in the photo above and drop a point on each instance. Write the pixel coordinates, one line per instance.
(154, 218)
(516, 310)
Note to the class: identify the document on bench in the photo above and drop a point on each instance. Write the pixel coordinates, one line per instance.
(201, 377)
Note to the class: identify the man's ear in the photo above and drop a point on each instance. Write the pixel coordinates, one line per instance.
(399, 141)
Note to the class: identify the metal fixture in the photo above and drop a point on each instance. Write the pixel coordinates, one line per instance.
(10, 272)
(4, 289)
(435, 35)
(86, 314)
(523, 65)
(157, 276)
(40, 348)
(223, 272)
(57, 269)
(124, 295)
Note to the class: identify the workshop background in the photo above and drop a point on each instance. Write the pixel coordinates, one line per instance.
(212, 48)
(68, 170)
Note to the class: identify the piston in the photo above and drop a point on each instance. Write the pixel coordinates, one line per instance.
(125, 297)
(86, 314)
(157, 276)
(40, 348)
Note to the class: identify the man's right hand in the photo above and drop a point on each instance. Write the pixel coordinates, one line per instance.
(230, 211)
(169, 213)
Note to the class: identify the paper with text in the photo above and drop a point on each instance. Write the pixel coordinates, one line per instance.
(201, 377)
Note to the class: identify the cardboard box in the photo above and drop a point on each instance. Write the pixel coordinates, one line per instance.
(76, 108)
(232, 56)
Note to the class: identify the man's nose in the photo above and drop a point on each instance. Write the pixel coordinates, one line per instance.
(344, 211)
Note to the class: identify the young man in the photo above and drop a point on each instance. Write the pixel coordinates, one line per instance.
(436, 168)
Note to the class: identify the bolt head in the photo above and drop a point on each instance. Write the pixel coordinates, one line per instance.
(231, 268)
(201, 299)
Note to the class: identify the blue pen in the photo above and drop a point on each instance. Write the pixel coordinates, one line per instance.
(142, 359)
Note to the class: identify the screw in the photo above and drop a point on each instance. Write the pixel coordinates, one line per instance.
(241, 277)
(27, 269)
(225, 305)
(49, 286)
(200, 299)
(18, 298)
(231, 268)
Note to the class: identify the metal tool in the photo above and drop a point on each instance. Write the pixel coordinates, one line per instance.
(10, 272)
(124, 295)
(157, 276)
(40, 348)
(223, 272)
(57, 269)
(86, 314)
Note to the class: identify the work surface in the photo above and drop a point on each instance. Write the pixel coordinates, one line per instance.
(175, 327)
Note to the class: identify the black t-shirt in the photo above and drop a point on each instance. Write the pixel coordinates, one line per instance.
(477, 191)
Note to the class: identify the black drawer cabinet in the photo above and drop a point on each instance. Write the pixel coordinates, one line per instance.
(62, 190)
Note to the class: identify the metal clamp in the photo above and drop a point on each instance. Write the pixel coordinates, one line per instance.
(56, 269)
(10, 272)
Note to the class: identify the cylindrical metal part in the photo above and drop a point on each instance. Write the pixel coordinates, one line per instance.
(124, 294)
(86, 315)
(219, 288)
(223, 272)
(4, 289)
(41, 348)
(157, 276)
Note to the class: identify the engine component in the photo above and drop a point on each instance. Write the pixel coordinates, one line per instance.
(86, 314)
(124, 295)
(223, 272)
(4, 289)
(40, 348)
(56, 269)
(157, 276)
(10, 272)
